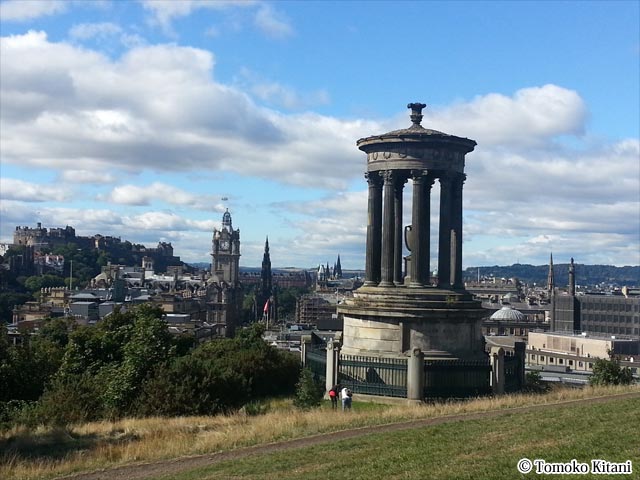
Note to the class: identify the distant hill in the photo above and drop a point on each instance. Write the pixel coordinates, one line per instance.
(585, 274)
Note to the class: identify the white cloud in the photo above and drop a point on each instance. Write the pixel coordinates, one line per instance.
(279, 95)
(532, 116)
(20, 10)
(166, 221)
(84, 31)
(87, 177)
(160, 192)
(163, 12)
(272, 22)
(106, 34)
(12, 189)
(157, 107)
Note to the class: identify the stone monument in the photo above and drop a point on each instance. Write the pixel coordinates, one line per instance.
(398, 310)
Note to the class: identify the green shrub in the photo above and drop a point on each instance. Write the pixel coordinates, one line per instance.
(72, 399)
(255, 408)
(192, 385)
(610, 372)
(534, 383)
(309, 392)
(18, 412)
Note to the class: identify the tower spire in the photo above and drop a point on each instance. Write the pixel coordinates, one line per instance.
(266, 280)
(572, 278)
(550, 279)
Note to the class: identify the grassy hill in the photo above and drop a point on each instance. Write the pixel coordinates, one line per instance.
(482, 445)
(463, 450)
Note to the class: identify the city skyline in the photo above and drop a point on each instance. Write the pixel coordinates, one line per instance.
(146, 120)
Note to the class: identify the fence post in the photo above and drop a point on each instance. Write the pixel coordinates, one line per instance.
(333, 356)
(415, 375)
(305, 343)
(519, 349)
(497, 370)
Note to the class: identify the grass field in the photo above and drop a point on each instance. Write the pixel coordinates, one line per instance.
(474, 449)
(49, 452)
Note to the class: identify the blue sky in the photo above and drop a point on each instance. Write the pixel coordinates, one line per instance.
(136, 118)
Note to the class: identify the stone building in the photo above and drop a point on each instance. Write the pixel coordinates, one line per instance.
(617, 315)
(224, 291)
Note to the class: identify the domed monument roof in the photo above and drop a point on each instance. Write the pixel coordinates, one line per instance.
(416, 148)
(416, 132)
(508, 313)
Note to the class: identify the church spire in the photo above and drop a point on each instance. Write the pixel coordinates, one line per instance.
(266, 279)
(550, 279)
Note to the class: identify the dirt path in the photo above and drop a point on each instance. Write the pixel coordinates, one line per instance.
(167, 467)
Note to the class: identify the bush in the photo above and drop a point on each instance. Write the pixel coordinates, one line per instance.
(18, 412)
(610, 372)
(534, 383)
(192, 386)
(255, 408)
(309, 392)
(72, 399)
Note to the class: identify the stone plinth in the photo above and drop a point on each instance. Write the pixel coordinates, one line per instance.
(389, 322)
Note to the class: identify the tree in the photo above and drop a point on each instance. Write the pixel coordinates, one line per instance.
(610, 372)
(309, 393)
(149, 346)
(35, 283)
(27, 368)
(8, 300)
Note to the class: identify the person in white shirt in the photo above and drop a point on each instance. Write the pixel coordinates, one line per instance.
(345, 395)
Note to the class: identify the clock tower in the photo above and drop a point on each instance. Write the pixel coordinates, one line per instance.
(225, 252)
(225, 291)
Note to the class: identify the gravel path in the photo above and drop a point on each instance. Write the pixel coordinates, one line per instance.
(168, 467)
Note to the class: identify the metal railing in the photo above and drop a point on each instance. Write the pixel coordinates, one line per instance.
(316, 361)
(512, 366)
(456, 378)
(373, 375)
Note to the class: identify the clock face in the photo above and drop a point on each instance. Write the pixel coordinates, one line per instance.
(224, 244)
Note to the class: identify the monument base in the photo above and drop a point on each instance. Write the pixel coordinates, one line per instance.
(390, 321)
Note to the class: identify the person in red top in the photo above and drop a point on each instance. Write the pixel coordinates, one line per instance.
(333, 395)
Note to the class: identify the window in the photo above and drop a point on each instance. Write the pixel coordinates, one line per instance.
(550, 359)
(560, 361)
(590, 365)
(533, 357)
(580, 364)
(542, 358)
(571, 363)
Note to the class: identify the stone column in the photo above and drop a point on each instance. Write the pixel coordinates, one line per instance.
(388, 230)
(415, 375)
(520, 352)
(456, 229)
(497, 370)
(444, 237)
(305, 344)
(417, 229)
(333, 356)
(397, 244)
(374, 229)
(426, 230)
